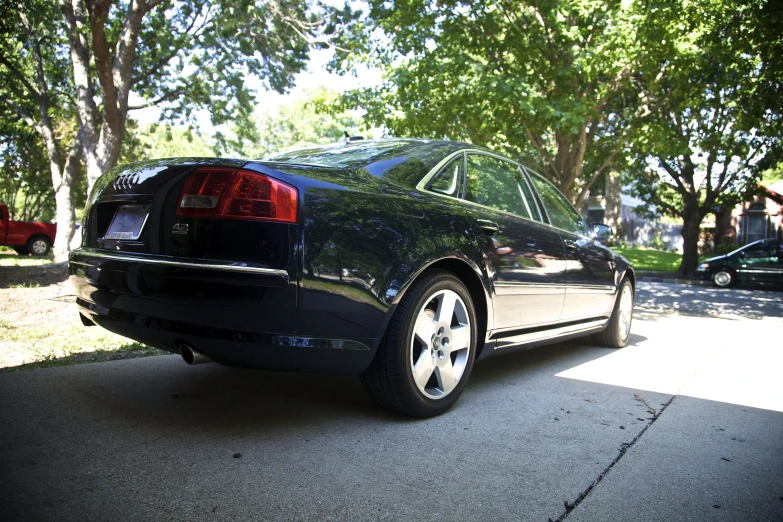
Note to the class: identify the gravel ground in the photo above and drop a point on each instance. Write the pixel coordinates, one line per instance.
(39, 321)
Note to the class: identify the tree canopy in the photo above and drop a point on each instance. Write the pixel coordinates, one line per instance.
(552, 83)
(715, 126)
(80, 60)
(305, 122)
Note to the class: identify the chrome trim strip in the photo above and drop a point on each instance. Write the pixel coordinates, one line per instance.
(590, 289)
(233, 267)
(520, 288)
(549, 334)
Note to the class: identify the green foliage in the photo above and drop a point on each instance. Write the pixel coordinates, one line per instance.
(648, 259)
(178, 55)
(651, 259)
(33, 80)
(550, 83)
(25, 184)
(772, 175)
(156, 141)
(198, 56)
(713, 123)
(304, 123)
(725, 247)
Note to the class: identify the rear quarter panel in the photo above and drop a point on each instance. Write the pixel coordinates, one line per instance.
(362, 246)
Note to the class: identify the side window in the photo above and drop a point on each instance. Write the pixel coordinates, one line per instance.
(500, 185)
(760, 251)
(449, 180)
(561, 212)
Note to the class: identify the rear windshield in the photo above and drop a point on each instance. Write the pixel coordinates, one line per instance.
(342, 155)
(403, 162)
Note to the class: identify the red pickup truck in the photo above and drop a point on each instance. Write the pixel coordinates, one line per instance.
(26, 237)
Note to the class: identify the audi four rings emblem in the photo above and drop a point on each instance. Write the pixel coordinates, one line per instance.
(125, 181)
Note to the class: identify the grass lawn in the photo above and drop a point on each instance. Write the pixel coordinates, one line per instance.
(649, 259)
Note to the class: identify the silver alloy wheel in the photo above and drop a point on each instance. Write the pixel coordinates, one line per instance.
(440, 344)
(626, 312)
(722, 278)
(39, 247)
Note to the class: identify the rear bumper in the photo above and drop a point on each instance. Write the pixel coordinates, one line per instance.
(236, 314)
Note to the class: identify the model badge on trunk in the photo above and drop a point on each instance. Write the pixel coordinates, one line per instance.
(179, 228)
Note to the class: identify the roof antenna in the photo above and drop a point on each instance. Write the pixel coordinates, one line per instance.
(349, 138)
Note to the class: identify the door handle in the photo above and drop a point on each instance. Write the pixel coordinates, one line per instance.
(571, 245)
(489, 227)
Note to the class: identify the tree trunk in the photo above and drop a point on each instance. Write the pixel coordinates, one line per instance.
(66, 219)
(690, 244)
(614, 201)
(63, 198)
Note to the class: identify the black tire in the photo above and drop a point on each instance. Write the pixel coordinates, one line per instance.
(20, 250)
(724, 278)
(39, 246)
(615, 334)
(390, 377)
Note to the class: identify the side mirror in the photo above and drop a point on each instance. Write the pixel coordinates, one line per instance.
(600, 231)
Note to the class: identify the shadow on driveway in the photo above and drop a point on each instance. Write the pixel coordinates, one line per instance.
(748, 303)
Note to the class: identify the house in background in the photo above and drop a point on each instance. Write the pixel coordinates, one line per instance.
(607, 204)
(745, 223)
(761, 218)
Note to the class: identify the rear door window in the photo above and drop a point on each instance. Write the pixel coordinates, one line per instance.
(561, 213)
(499, 184)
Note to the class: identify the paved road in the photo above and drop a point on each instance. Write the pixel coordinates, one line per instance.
(572, 423)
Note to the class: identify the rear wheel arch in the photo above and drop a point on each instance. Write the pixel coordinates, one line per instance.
(469, 276)
(631, 276)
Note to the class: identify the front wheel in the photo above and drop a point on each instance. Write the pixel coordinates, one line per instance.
(427, 354)
(723, 278)
(618, 331)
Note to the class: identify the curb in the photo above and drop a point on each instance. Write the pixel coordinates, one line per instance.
(664, 277)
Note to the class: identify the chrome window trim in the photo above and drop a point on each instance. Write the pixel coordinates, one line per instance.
(585, 235)
(421, 186)
(525, 170)
(528, 175)
(437, 169)
(519, 167)
(227, 267)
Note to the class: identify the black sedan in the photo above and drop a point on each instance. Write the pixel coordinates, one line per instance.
(757, 262)
(402, 261)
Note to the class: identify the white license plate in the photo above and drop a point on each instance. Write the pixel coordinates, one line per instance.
(128, 222)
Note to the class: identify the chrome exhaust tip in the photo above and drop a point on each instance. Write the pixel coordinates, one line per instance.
(191, 356)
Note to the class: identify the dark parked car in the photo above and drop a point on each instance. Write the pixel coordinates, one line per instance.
(402, 261)
(758, 262)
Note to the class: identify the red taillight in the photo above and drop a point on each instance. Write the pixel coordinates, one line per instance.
(237, 194)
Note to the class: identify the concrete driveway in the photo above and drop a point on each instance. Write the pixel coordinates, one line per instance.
(684, 423)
